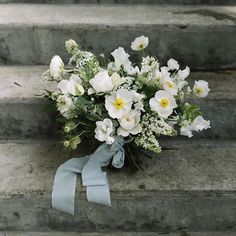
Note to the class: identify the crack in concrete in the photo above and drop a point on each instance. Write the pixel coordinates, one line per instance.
(209, 13)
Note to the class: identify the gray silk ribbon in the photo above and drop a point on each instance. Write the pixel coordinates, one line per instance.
(63, 193)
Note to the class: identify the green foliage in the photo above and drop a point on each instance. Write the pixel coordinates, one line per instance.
(189, 112)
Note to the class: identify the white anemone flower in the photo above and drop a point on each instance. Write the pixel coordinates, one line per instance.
(186, 129)
(121, 58)
(200, 88)
(119, 103)
(102, 82)
(129, 124)
(140, 43)
(71, 87)
(172, 64)
(199, 123)
(170, 86)
(162, 75)
(138, 100)
(163, 103)
(104, 130)
(56, 67)
(181, 76)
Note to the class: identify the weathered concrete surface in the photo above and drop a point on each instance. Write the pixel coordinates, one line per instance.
(22, 115)
(181, 2)
(190, 186)
(203, 37)
(180, 233)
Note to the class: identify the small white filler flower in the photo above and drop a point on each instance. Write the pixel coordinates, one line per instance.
(163, 103)
(200, 88)
(104, 131)
(140, 43)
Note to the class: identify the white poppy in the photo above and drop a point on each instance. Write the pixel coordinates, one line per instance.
(140, 43)
(186, 129)
(104, 131)
(71, 87)
(129, 124)
(172, 64)
(170, 86)
(200, 88)
(121, 58)
(200, 124)
(56, 67)
(119, 103)
(102, 82)
(163, 103)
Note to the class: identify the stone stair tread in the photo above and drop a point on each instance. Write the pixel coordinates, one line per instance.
(28, 168)
(31, 33)
(25, 82)
(181, 233)
(21, 109)
(179, 2)
(47, 14)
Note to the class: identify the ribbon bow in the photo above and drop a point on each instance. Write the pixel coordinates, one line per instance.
(63, 193)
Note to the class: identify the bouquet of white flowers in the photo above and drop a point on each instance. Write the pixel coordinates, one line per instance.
(122, 102)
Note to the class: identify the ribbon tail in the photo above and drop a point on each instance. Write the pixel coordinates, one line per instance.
(63, 193)
(99, 193)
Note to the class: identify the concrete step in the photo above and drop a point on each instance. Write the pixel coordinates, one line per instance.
(180, 233)
(22, 115)
(202, 36)
(179, 2)
(190, 186)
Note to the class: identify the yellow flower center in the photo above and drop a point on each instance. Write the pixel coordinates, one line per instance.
(141, 46)
(164, 102)
(118, 103)
(199, 90)
(170, 85)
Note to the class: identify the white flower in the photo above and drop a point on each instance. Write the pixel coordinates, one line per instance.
(163, 103)
(71, 46)
(173, 64)
(186, 129)
(200, 88)
(64, 103)
(117, 80)
(121, 58)
(104, 131)
(181, 76)
(200, 124)
(119, 103)
(129, 124)
(162, 75)
(149, 64)
(71, 87)
(140, 43)
(170, 86)
(76, 78)
(56, 67)
(102, 82)
(138, 100)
